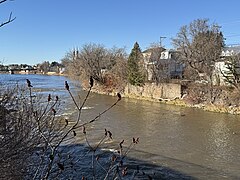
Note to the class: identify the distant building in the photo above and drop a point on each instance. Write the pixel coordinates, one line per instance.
(151, 56)
(175, 68)
(230, 51)
(62, 70)
(164, 59)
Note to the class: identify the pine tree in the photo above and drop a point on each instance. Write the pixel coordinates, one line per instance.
(136, 73)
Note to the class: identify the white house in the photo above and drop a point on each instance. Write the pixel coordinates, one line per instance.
(221, 69)
(230, 51)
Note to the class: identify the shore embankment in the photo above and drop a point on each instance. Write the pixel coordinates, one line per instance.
(167, 93)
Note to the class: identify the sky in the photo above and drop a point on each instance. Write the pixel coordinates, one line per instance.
(45, 30)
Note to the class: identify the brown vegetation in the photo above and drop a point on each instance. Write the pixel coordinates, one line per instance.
(199, 46)
(98, 62)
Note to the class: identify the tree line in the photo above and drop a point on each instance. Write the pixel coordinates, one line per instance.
(198, 46)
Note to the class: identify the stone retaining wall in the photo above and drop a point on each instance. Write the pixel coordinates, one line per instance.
(153, 91)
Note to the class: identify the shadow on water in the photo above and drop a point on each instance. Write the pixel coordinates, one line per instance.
(77, 160)
(79, 164)
(171, 168)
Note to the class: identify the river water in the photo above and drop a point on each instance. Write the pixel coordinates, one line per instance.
(185, 141)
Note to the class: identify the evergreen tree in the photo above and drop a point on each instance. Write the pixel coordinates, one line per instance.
(135, 66)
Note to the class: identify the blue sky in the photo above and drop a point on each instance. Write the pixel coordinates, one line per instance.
(47, 29)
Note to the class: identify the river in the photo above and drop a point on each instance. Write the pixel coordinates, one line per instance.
(188, 141)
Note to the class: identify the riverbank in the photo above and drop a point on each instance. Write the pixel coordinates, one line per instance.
(166, 94)
(37, 73)
(187, 140)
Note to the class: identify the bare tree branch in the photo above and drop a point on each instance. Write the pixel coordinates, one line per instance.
(2, 1)
(10, 18)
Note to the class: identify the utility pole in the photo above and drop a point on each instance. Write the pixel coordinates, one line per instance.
(161, 37)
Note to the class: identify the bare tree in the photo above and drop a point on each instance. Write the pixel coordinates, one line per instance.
(162, 71)
(10, 18)
(93, 58)
(199, 45)
(44, 67)
(96, 61)
(72, 67)
(118, 68)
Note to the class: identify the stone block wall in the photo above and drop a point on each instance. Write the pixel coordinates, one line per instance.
(153, 91)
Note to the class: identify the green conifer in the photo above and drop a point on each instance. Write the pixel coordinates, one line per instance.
(135, 66)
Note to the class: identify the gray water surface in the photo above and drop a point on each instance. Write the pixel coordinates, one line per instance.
(201, 144)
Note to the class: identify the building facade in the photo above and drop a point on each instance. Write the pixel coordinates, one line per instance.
(162, 63)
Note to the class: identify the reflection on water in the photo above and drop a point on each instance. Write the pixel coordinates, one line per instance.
(200, 144)
(219, 139)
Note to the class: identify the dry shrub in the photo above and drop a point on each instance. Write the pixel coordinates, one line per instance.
(196, 93)
(233, 97)
(18, 135)
(112, 82)
(190, 73)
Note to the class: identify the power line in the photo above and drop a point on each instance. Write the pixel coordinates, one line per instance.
(230, 22)
(234, 35)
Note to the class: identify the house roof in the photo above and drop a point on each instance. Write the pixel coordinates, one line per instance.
(154, 49)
